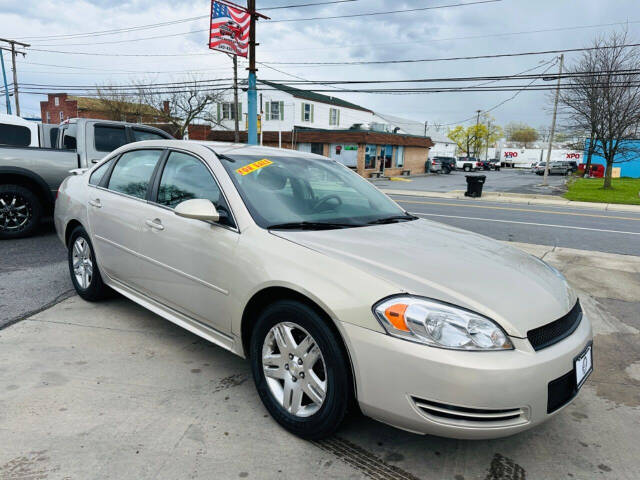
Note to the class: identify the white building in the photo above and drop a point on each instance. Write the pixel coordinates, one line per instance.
(284, 107)
(443, 145)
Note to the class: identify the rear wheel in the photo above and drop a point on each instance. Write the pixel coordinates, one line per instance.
(20, 211)
(467, 168)
(299, 369)
(85, 274)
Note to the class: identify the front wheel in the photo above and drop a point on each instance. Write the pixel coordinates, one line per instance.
(85, 274)
(467, 168)
(20, 211)
(300, 370)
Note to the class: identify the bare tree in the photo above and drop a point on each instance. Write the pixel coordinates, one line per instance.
(602, 96)
(177, 105)
(180, 106)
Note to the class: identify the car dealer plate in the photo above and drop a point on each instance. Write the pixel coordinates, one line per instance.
(583, 365)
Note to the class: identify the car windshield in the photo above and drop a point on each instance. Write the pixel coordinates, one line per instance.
(285, 191)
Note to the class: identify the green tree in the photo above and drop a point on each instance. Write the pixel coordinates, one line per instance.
(521, 133)
(469, 139)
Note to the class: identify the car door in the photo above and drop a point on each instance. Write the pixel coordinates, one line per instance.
(115, 215)
(188, 261)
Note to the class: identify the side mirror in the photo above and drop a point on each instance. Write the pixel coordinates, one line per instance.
(198, 209)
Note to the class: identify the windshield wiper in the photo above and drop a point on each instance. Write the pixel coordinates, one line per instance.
(393, 219)
(311, 226)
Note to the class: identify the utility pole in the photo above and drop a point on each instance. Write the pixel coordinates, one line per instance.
(6, 87)
(553, 122)
(486, 157)
(235, 98)
(475, 143)
(14, 53)
(252, 92)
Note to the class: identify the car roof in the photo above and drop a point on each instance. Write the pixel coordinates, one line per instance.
(227, 148)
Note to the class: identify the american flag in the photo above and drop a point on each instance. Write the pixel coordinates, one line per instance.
(229, 29)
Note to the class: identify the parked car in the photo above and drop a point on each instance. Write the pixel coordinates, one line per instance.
(555, 168)
(468, 164)
(447, 164)
(265, 252)
(571, 165)
(485, 164)
(30, 175)
(495, 164)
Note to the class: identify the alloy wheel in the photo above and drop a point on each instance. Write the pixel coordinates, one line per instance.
(15, 212)
(294, 369)
(82, 263)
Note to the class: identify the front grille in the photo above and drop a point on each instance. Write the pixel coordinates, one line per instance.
(547, 335)
(470, 417)
(561, 391)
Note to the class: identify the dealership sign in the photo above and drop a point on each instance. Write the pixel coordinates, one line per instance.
(229, 28)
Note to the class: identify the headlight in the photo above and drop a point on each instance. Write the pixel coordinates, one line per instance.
(439, 325)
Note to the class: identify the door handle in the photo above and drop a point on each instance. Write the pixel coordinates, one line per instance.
(95, 203)
(156, 224)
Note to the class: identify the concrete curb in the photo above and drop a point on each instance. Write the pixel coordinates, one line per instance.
(528, 199)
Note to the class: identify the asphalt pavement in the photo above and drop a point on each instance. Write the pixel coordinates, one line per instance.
(506, 180)
(33, 274)
(612, 232)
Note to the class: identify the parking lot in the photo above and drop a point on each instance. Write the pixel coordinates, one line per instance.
(111, 390)
(506, 180)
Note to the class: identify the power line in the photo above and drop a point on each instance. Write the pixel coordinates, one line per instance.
(390, 12)
(474, 57)
(299, 5)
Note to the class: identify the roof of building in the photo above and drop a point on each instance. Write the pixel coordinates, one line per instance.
(413, 127)
(99, 105)
(314, 96)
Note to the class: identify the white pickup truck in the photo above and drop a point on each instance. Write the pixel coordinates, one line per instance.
(468, 164)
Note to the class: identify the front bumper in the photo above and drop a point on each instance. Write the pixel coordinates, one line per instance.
(467, 395)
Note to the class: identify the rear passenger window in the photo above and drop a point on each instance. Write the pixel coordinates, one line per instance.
(15, 135)
(98, 174)
(108, 138)
(140, 135)
(133, 171)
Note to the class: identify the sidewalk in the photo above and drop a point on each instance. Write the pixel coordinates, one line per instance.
(528, 199)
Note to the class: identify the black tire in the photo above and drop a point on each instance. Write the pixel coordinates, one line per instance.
(338, 395)
(28, 202)
(447, 171)
(467, 168)
(96, 289)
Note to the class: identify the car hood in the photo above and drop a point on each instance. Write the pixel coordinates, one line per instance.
(445, 263)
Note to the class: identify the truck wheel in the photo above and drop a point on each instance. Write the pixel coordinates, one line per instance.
(20, 211)
(467, 168)
(447, 171)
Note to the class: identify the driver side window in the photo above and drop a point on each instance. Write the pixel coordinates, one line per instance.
(184, 177)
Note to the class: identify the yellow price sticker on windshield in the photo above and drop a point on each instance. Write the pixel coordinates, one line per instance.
(252, 167)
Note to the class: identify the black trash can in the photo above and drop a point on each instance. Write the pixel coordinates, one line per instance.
(474, 185)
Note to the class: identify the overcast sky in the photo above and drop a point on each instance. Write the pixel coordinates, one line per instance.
(481, 29)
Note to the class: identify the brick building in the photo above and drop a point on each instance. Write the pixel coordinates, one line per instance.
(369, 153)
(61, 106)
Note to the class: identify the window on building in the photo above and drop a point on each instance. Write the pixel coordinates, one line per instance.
(227, 110)
(15, 135)
(274, 110)
(317, 148)
(370, 156)
(400, 157)
(61, 116)
(386, 155)
(307, 112)
(334, 117)
(56, 101)
(108, 138)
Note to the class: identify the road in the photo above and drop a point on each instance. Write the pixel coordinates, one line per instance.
(506, 180)
(611, 232)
